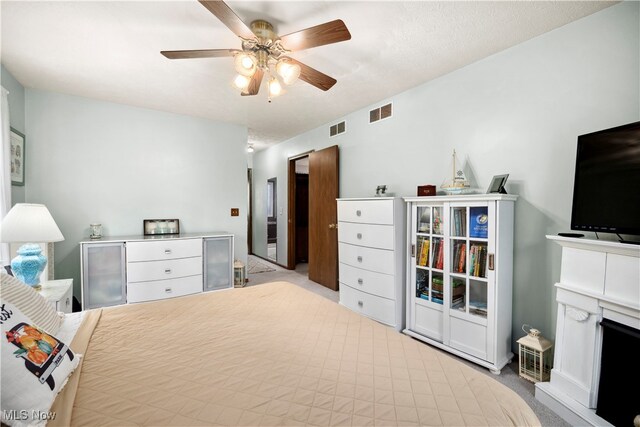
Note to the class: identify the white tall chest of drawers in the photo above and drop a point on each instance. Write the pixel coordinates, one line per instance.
(371, 238)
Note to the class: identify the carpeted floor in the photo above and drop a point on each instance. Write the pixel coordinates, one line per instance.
(255, 265)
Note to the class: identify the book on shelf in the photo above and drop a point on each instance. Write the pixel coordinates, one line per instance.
(437, 284)
(479, 222)
(437, 257)
(457, 302)
(478, 308)
(459, 257)
(424, 253)
(459, 221)
(478, 259)
(457, 288)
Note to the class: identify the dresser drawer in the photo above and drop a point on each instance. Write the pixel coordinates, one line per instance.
(378, 308)
(367, 211)
(368, 281)
(165, 269)
(160, 289)
(372, 235)
(380, 260)
(163, 249)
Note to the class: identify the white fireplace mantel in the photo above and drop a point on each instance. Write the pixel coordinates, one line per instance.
(598, 279)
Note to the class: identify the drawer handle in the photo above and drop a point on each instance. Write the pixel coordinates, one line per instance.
(360, 281)
(360, 303)
(168, 290)
(359, 235)
(67, 302)
(359, 259)
(167, 251)
(358, 213)
(167, 270)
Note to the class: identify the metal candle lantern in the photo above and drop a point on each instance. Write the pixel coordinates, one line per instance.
(535, 355)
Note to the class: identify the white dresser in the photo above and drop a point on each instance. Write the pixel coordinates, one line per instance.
(371, 239)
(161, 269)
(133, 269)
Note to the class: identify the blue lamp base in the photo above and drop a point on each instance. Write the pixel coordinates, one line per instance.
(29, 264)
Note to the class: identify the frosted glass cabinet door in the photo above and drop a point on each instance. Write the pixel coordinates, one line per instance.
(218, 263)
(103, 275)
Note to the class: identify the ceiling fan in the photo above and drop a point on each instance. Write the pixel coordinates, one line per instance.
(264, 52)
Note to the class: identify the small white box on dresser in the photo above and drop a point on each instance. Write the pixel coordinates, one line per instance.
(371, 239)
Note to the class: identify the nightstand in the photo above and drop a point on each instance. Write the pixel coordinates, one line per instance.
(59, 293)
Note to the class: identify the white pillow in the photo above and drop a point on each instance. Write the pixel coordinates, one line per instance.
(31, 303)
(35, 366)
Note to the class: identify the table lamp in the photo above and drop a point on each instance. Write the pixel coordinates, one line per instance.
(26, 223)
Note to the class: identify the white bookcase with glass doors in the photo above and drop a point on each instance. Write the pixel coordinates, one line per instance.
(459, 280)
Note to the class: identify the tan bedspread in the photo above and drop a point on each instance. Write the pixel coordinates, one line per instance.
(275, 354)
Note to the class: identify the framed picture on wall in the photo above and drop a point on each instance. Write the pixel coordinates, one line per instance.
(17, 157)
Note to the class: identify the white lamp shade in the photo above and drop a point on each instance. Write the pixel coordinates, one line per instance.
(288, 71)
(29, 223)
(274, 87)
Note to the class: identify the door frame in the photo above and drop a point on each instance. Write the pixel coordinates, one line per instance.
(291, 208)
(250, 211)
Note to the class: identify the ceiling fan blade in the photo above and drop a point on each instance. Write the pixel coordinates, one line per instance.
(313, 76)
(327, 33)
(228, 18)
(200, 53)
(254, 84)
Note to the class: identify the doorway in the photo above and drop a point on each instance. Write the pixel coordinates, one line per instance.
(312, 211)
(272, 219)
(302, 210)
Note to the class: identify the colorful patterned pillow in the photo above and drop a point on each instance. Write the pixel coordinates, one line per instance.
(35, 366)
(31, 303)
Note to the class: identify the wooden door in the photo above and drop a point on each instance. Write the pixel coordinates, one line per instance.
(323, 217)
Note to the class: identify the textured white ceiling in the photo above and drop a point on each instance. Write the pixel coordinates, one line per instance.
(111, 51)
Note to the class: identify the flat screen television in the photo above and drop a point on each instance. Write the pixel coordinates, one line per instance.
(606, 192)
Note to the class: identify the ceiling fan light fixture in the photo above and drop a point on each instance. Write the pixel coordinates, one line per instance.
(245, 64)
(288, 71)
(241, 82)
(275, 88)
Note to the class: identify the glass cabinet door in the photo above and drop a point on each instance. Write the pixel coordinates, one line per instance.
(103, 281)
(429, 254)
(218, 263)
(469, 259)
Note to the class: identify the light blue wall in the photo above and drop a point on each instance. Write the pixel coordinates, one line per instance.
(516, 112)
(16, 118)
(93, 161)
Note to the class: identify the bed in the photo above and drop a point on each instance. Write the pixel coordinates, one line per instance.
(273, 354)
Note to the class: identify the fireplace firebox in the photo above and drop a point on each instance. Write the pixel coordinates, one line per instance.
(619, 365)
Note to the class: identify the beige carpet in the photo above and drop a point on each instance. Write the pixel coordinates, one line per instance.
(256, 266)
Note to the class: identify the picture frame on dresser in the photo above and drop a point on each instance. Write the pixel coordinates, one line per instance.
(17, 160)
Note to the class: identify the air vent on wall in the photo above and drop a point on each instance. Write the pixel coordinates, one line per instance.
(380, 113)
(337, 129)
